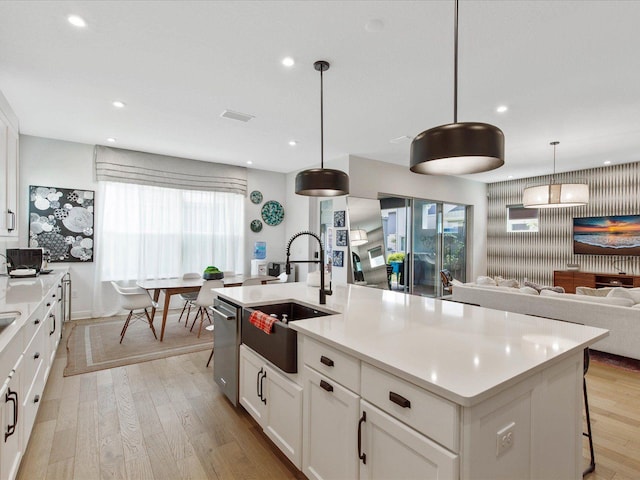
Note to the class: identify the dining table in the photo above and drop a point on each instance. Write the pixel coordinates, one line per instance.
(176, 286)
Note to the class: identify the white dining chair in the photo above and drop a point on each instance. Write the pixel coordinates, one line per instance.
(188, 298)
(204, 301)
(251, 281)
(135, 299)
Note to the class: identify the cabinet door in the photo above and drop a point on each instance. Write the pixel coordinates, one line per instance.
(53, 328)
(393, 450)
(3, 177)
(11, 434)
(12, 182)
(284, 415)
(330, 428)
(252, 382)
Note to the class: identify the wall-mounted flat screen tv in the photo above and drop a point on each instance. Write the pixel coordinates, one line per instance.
(610, 235)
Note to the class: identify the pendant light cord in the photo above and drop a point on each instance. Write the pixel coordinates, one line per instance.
(455, 64)
(553, 177)
(321, 122)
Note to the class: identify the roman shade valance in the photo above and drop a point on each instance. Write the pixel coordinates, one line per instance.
(129, 166)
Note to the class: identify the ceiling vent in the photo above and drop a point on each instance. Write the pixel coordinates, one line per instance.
(402, 139)
(243, 117)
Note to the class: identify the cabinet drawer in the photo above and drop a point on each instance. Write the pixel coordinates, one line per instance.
(331, 362)
(429, 414)
(10, 355)
(32, 400)
(35, 321)
(33, 356)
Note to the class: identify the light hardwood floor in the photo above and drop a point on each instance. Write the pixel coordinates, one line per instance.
(166, 419)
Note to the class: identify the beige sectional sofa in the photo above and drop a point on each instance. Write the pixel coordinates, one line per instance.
(619, 314)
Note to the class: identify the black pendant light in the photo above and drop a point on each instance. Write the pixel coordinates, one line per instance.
(457, 148)
(322, 182)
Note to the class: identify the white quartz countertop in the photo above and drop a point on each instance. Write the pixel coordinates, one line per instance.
(23, 295)
(463, 353)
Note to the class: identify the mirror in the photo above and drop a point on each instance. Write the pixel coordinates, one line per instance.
(366, 244)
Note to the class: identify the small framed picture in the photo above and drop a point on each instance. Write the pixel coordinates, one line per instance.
(338, 258)
(338, 218)
(341, 238)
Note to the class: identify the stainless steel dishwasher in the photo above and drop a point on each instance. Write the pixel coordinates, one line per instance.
(226, 347)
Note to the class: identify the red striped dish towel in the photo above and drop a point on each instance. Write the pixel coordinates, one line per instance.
(262, 321)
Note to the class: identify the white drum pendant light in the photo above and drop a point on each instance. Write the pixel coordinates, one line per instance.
(554, 195)
(457, 148)
(322, 182)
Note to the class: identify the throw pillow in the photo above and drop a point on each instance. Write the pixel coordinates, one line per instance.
(593, 292)
(620, 292)
(483, 280)
(546, 292)
(529, 290)
(507, 282)
(552, 289)
(528, 283)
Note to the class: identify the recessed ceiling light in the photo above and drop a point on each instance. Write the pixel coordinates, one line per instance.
(607, 162)
(249, 162)
(76, 21)
(293, 143)
(288, 62)
(502, 108)
(111, 139)
(118, 104)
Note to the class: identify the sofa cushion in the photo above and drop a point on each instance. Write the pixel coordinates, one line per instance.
(620, 302)
(550, 292)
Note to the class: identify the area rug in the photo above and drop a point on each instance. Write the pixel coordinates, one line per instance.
(94, 344)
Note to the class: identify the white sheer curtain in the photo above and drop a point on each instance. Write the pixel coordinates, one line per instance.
(148, 232)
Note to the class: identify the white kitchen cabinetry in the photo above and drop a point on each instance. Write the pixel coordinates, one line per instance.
(330, 418)
(31, 347)
(11, 440)
(8, 178)
(390, 449)
(274, 401)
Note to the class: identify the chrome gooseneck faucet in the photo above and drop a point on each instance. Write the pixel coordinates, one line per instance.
(323, 292)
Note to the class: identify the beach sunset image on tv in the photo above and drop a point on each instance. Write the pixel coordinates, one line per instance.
(611, 235)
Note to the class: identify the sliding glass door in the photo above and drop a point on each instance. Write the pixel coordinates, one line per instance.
(423, 237)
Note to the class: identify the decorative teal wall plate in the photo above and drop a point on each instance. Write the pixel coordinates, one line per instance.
(256, 197)
(256, 225)
(272, 213)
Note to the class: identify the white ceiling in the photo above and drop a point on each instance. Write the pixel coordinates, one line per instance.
(568, 70)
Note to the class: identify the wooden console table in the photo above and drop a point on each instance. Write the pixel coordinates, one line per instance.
(569, 280)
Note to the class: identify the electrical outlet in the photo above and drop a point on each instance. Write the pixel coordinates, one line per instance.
(505, 438)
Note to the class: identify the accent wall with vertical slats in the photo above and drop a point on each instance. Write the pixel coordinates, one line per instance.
(613, 190)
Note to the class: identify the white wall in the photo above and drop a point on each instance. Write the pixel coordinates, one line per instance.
(57, 163)
(272, 185)
(368, 178)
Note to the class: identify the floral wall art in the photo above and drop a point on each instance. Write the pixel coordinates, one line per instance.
(61, 222)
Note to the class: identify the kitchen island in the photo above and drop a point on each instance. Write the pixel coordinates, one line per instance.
(397, 386)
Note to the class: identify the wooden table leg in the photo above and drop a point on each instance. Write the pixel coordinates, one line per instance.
(167, 299)
(156, 296)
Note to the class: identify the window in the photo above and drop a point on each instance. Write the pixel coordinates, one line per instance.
(155, 232)
(520, 219)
